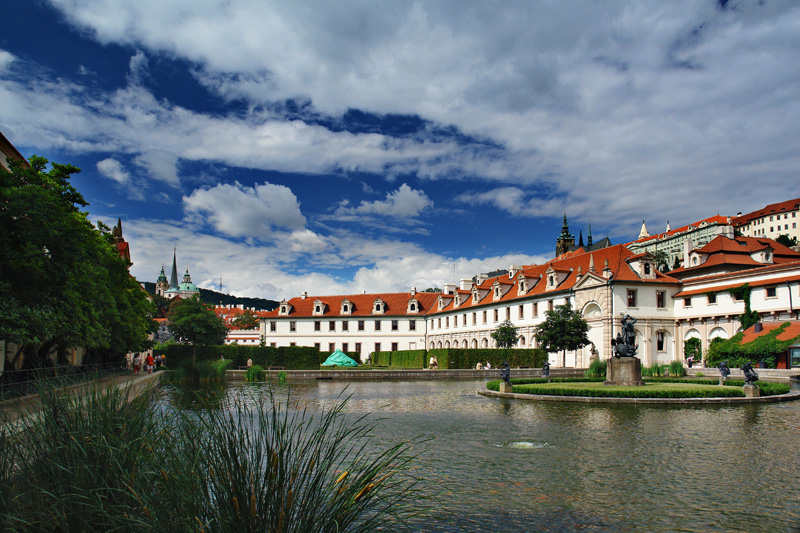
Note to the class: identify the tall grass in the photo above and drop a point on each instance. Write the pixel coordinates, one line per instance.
(200, 372)
(109, 463)
(255, 373)
(597, 369)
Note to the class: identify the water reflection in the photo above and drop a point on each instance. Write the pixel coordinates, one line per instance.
(503, 465)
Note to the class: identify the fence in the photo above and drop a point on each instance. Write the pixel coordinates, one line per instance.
(16, 383)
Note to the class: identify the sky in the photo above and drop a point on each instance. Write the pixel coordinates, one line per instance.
(351, 146)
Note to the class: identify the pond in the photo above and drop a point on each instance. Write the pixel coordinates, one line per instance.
(511, 465)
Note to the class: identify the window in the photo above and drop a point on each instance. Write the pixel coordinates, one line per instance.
(632, 298)
(272, 344)
(273, 326)
(647, 269)
(535, 309)
(447, 321)
(474, 319)
(412, 325)
(394, 346)
(292, 344)
(358, 347)
(484, 317)
(508, 313)
(317, 309)
(395, 325)
(661, 299)
(687, 302)
(794, 353)
(772, 292)
(496, 315)
(331, 346)
(521, 311)
(317, 325)
(660, 341)
(439, 323)
(550, 305)
(412, 307)
(712, 298)
(316, 345)
(345, 325)
(344, 347)
(464, 319)
(770, 219)
(292, 326)
(360, 325)
(377, 347)
(377, 325)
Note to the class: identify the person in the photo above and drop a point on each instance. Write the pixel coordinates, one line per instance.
(249, 362)
(164, 360)
(479, 366)
(690, 360)
(136, 363)
(488, 365)
(158, 361)
(150, 362)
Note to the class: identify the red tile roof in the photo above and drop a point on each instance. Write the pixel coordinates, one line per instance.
(362, 304)
(761, 283)
(726, 251)
(780, 207)
(718, 219)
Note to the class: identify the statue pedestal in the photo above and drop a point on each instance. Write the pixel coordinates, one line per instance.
(751, 391)
(624, 371)
(505, 387)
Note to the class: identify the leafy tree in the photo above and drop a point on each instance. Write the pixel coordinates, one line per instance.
(62, 282)
(505, 335)
(563, 329)
(692, 347)
(786, 240)
(161, 304)
(247, 320)
(662, 260)
(194, 322)
(433, 289)
(676, 263)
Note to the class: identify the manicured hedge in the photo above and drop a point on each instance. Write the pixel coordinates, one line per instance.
(730, 390)
(469, 358)
(289, 357)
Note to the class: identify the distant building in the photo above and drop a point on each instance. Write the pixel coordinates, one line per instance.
(183, 290)
(771, 221)
(675, 244)
(565, 243)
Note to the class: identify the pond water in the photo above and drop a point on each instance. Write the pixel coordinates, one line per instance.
(511, 465)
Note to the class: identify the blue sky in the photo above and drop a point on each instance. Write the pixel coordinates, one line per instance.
(357, 146)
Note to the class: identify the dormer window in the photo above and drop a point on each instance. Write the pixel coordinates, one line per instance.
(475, 298)
(522, 287)
(319, 307)
(284, 308)
(346, 307)
(378, 307)
(647, 269)
(413, 306)
(551, 281)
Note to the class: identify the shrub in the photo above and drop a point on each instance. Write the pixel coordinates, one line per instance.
(468, 357)
(255, 373)
(597, 368)
(677, 369)
(654, 370)
(765, 348)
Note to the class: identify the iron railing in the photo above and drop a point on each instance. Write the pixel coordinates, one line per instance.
(16, 383)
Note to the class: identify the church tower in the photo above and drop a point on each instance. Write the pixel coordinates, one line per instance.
(565, 239)
(173, 279)
(161, 283)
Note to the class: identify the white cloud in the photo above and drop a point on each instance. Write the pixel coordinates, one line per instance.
(111, 168)
(404, 203)
(6, 59)
(160, 165)
(240, 211)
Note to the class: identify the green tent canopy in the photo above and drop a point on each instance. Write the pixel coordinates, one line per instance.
(338, 358)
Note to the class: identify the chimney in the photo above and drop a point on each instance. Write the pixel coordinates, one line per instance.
(449, 288)
(513, 270)
(688, 246)
(304, 296)
(413, 291)
(465, 283)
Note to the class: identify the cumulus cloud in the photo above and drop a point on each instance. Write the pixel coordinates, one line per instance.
(241, 211)
(111, 168)
(160, 165)
(6, 59)
(404, 203)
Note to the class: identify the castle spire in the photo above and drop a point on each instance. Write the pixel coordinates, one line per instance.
(643, 232)
(589, 238)
(173, 279)
(580, 239)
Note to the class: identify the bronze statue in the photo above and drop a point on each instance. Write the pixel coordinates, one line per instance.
(724, 371)
(546, 370)
(750, 376)
(505, 373)
(625, 346)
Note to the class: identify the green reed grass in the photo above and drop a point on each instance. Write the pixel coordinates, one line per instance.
(106, 462)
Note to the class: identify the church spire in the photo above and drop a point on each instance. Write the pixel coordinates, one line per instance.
(589, 238)
(565, 240)
(173, 279)
(580, 239)
(643, 232)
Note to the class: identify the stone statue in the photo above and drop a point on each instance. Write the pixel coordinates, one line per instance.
(625, 346)
(724, 371)
(595, 353)
(505, 373)
(546, 370)
(750, 376)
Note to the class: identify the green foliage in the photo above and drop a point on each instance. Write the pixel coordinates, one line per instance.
(105, 462)
(732, 388)
(597, 369)
(63, 284)
(692, 348)
(786, 240)
(195, 323)
(289, 357)
(563, 329)
(282, 377)
(749, 317)
(247, 320)
(654, 370)
(400, 359)
(765, 347)
(469, 357)
(255, 373)
(505, 334)
(677, 369)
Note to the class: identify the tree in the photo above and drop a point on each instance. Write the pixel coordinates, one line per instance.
(62, 282)
(194, 322)
(691, 347)
(563, 329)
(786, 240)
(433, 289)
(662, 260)
(247, 320)
(505, 335)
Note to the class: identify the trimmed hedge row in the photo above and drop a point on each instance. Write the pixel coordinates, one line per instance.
(401, 359)
(469, 358)
(289, 357)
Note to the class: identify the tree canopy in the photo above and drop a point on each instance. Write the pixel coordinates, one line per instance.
(62, 282)
(247, 320)
(505, 335)
(194, 322)
(563, 329)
